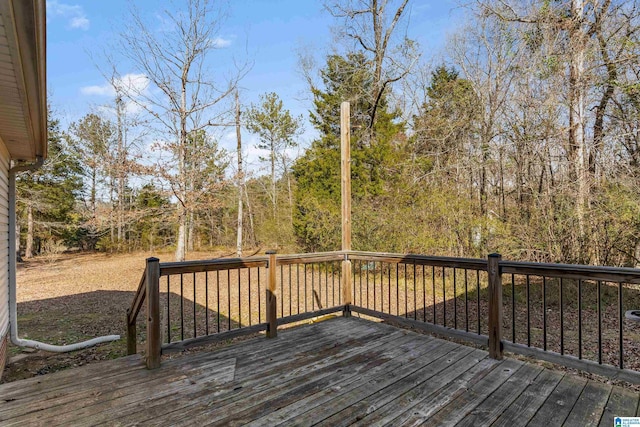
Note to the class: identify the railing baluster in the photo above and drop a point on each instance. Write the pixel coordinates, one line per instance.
(168, 310)
(305, 288)
(433, 292)
(455, 300)
(374, 286)
(333, 285)
(281, 291)
(259, 298)
(218, 296)
(367, 284)
(620, 324)
(406, 300)
(528, 313)
(561, 316)
(290, 294)
(347, 271)
(513, 309)
(313, 299)
(181, 307)
(478, 299)
(381, 286)
(397, 290)
(206, 301)
(298, 288)
(466, 301)
(229, 300)
(599, 285)
(424, 296)
(415, 308)
(326, 285)
(579, 319)
(249, 293)
(195, 332)
(389, 287)
(239, 299)
(544, 313)
(444, 298)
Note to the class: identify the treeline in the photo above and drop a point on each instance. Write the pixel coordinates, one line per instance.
(523, 139)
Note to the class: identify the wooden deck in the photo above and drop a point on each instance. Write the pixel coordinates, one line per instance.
(336, 372)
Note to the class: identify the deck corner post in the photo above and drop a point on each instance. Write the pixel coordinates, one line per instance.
(346, 287)
(272, 302)
(131, 335)
(154, 343)
(495, 306)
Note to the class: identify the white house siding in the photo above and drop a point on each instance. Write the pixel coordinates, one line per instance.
(4, 255)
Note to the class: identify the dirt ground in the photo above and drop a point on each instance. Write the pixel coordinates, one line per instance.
(73, 298)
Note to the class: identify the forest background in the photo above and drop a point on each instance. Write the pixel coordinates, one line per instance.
(522, 138)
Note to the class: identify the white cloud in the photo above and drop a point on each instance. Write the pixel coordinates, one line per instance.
(74, 14)
(131, 83)
(79, 22)
(135, 85)
(220, 43)
(105, 90)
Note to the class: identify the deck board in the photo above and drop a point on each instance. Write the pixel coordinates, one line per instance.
(337, 372)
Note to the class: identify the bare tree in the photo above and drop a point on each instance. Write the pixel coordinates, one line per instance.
(179, 91)
(240, 178)
(371, 25)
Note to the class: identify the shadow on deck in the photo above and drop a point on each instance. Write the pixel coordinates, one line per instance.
(343, 371)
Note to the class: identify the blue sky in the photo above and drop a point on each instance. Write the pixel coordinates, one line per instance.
(266, 32)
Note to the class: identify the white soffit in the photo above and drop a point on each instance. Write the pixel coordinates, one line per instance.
(23, 105)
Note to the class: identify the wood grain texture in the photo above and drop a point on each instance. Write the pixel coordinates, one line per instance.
(342, 371)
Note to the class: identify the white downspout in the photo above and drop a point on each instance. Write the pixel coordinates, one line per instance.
(13, 306)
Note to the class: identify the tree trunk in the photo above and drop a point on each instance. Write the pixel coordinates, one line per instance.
(191, 234)
(182, 231)
(252, 230)
(577, 121)
(119, 169)
(240, 178)
(182, 172)
(286, 171)
(273, 180)
(28, 250)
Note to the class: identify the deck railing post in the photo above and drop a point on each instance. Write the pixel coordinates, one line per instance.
(132, 347)
(154, 343)
(346, 287)
(272, 302)
(495, 306)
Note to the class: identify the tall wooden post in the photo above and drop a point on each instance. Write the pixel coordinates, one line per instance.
(345, 171)
(154, 339)
(495, 306)
(272, 321)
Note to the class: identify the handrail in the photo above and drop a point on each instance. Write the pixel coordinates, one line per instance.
(136, 304)
(132, 314)
(200, 266)
(438, 261)
(573, 271)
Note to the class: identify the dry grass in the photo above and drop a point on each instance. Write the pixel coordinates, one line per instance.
(73, 298)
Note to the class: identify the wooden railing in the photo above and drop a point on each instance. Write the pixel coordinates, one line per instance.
(215, 300)
(572, 315)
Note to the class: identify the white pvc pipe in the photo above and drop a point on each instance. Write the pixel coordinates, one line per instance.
(13, 305)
